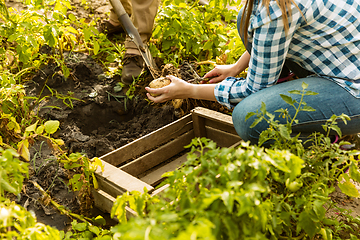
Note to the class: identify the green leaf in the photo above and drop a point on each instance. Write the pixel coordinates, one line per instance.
(100, 220)
(65, 70)
(7, 186)
(208, 45)
(349, 189)
(319, 209)
(311, 93)
(94, 229)
(249, 115)
(75, 182)
(336, 129)
(31, 128)
(295, 92)
(49, 36)
(354, 172)
(80, 226)
(287, 99)
(40, 130)
(96, 47)
(256, 122)
(263, 108)
(51, 126)
(304, 85)
(308, 109)
(284, 132)
(118, 87)
(305, 222)
(228, 200)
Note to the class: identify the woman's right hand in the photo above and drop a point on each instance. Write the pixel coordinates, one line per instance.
(220, 72)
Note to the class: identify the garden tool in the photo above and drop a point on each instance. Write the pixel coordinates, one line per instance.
(133, 33)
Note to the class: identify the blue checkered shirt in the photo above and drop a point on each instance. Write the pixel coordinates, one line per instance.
(324, 39)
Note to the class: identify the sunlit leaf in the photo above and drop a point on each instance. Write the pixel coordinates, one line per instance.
(51, 126)
(32, 127)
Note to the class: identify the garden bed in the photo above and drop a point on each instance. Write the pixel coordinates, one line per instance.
(141, 163)
(94, 120)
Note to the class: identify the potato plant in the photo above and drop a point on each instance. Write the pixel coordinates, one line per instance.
(187, 30)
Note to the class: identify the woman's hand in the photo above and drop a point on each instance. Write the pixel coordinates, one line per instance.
(178, 88)
(220, 72)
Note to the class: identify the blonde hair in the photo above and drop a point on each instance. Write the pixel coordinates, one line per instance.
(284, 5)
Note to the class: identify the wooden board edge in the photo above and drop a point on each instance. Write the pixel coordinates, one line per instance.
(115, 181)
(214, 115)
(158, 156)
(105, 202)
(222, 138)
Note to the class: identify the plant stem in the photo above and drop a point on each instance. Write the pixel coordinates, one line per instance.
(60, 207)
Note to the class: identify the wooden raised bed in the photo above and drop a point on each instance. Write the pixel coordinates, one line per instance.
(141, 163)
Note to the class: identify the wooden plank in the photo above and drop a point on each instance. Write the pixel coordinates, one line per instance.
(104, 202)
(160, 190)
(214, 119)
(147, 142)
(220, 126)
(154, 177)
(199, 126)
(236, 144)
(223, 139)
(213, 115)
(115, 181)
(159, 155)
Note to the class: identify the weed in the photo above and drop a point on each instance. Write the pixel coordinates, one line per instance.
(66, 99)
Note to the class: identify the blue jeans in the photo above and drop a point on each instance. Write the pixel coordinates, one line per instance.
(332, 99)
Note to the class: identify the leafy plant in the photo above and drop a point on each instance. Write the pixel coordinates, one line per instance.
(192, 31)
(85, 230)
(280, 134)
(17, 223)
(12, 172)
(66, 99)
(25, 33)
(81, 170)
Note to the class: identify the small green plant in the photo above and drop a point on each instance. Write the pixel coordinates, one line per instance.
(280, 135)
(66, 99)
(252, 192)
(82, 177)
(85, 230)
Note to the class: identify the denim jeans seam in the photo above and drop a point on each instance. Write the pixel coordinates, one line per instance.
(319, 121)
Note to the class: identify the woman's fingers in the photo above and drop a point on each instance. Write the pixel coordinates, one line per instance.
(156, 94)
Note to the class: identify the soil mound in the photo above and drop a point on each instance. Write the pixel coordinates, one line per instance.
(95, 117)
